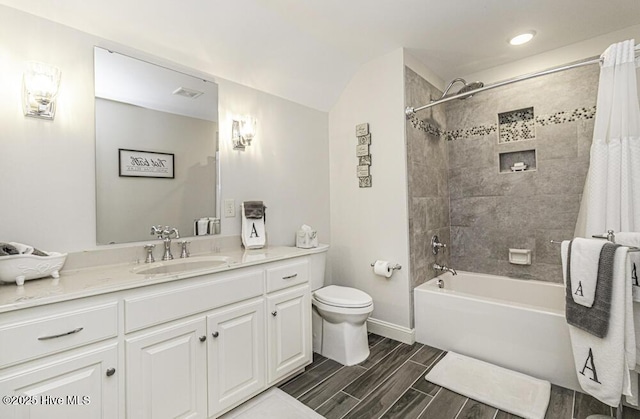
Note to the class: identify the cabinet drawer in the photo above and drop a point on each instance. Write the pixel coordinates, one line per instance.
(57, 332)
(287, 275)
(161, 307)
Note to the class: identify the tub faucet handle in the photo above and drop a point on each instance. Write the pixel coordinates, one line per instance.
(436, 245)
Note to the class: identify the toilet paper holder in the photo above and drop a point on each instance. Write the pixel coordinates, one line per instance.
(395, 267)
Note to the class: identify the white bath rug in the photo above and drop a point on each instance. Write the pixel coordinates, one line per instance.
(272, 404)
(499, 387)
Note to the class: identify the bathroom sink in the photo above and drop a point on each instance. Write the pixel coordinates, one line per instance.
(183, 265)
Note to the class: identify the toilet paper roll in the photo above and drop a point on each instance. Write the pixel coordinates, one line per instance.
(383, 268)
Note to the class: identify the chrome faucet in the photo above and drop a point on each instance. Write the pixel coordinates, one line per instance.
(164, 234)
(436, 245)
(443, 268)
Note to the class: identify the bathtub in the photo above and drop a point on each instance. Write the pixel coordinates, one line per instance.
(512, 323)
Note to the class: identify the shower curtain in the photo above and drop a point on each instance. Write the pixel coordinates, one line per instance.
(611, 198)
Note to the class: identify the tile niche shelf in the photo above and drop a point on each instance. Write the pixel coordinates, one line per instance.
(508, 159)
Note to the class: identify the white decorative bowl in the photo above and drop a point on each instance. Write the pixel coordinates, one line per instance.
(20, 268)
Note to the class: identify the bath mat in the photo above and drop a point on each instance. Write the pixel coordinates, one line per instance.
(499, 387)
(272, 404)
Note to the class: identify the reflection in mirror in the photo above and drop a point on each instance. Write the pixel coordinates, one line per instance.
(156, 149)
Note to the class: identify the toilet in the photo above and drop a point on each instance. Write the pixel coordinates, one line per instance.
(339, 318)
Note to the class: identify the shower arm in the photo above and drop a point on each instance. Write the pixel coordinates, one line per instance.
(410, 110)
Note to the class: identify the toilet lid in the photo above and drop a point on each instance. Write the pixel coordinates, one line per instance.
(343, 296)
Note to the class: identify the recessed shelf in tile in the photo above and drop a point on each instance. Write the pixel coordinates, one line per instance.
(515, 161)
(516, 125)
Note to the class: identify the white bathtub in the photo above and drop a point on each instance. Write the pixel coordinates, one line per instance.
(512, 323)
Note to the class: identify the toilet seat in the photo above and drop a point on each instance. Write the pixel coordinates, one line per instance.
(337, 296)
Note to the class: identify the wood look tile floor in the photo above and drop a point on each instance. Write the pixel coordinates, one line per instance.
(390, 384)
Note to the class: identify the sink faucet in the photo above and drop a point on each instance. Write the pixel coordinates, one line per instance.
(164, 234)
(443, 268)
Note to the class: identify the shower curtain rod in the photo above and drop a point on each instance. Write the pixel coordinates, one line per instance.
(410, 111)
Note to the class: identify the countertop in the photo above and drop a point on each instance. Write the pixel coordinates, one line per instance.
(88, 282)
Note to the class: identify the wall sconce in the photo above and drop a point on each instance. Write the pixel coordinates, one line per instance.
(242, 132)
(40, 85)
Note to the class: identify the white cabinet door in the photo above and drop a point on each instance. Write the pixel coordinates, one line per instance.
(166, 373)
(288, 331)
(236, 355)
(83, 386)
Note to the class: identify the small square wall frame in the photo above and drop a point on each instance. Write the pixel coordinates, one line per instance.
(508, 161)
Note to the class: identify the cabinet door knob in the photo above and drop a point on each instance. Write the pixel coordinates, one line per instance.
(274, 313)
(215, 334)
(203, 338)
(110, 372)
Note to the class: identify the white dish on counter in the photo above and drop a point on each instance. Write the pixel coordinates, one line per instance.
(20, 268)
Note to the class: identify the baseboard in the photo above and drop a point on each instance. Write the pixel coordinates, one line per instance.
(391, 331)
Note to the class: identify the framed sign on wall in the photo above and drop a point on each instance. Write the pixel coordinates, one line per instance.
(138, 163)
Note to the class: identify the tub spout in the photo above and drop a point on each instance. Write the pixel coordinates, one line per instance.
(443, 268)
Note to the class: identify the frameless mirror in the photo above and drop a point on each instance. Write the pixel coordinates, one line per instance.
(156, 149)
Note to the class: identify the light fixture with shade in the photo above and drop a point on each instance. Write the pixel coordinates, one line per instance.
(243, 130)
(522, 38)
(40, 85)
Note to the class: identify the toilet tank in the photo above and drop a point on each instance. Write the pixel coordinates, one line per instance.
(317, 262)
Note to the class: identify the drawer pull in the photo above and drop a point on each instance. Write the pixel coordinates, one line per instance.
(215, 334)
(290, 276)
(203, 338)
(110, 372)
(79, 329)
(274, 313)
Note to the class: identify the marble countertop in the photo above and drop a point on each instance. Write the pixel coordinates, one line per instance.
(80, 283)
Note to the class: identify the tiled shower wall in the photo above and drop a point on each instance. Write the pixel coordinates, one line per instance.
(456, 189)
(490, 211)
(428, 192)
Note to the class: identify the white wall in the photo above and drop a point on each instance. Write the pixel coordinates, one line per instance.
(48, 167)
(371, 223)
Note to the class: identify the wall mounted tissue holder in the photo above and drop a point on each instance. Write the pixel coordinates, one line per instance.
(384, 268)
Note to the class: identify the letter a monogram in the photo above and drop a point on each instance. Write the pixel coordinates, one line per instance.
(592, 368)
(253, 231)
(579, 289)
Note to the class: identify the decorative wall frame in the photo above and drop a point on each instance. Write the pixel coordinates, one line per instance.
(363, 169)
(138, 163)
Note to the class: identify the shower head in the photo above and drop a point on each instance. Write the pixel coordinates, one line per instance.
(469, 87)
(466, 88)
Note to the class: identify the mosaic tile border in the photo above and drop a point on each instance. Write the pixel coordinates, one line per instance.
(518, 125)
(484, 130)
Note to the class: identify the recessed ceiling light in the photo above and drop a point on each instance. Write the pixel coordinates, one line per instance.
(522, 38)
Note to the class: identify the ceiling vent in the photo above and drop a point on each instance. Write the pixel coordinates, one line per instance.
(190, 93)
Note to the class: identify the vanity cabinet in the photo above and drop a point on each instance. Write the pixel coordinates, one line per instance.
(80, 386)
(193, 348)
(60, 361)
(167, 372)
(289, 331)
(236, 354)
(242, 331)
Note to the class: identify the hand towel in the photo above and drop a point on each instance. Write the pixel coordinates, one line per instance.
(585, 257)
(633, 239)
(7, 249)
(594, 319)
(253, 232)
(602, 365)
(25, 249)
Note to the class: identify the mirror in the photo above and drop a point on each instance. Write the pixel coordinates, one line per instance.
(156, 149)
